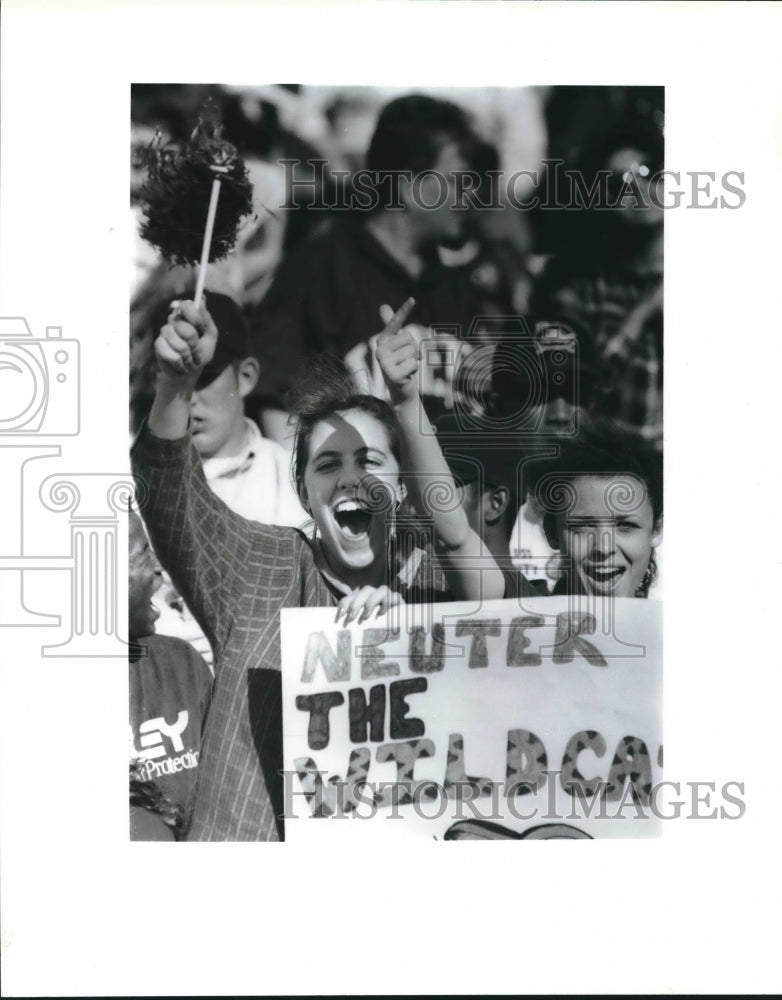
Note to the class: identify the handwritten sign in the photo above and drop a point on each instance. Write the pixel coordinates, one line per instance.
(520, 719)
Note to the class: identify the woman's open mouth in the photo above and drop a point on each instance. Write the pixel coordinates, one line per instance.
(352, 519)
(604, 579)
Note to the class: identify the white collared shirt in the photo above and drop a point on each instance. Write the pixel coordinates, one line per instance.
(256, 483)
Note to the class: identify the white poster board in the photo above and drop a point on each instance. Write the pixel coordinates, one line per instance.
(531, 718)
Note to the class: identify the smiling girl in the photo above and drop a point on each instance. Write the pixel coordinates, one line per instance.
(236, 575)
(604, 508)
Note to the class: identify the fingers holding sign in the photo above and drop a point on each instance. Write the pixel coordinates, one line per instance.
(363, 602)
(397, 352)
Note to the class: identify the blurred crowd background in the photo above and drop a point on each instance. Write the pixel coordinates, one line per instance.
(599, 272)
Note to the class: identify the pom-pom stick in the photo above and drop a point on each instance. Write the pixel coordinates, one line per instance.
(210, 224)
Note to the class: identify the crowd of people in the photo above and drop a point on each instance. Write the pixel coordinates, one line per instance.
(396, 402)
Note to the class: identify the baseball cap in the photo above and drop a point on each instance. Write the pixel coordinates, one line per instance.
(233, 336)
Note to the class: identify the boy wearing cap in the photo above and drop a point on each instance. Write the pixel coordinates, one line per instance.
(250, 473)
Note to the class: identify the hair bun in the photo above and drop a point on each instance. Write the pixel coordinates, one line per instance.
(324, 384)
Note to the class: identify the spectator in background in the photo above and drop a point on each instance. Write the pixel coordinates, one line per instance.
(170, 687)
(250, 473)
(610, 281)
(327, 293)
(493, 254)
(543, 387)
(488, 476)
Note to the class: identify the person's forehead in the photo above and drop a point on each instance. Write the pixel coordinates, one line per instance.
(608, 495)
(350, 430)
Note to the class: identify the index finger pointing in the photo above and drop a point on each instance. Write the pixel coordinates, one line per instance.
(386, 314)
(395, 323)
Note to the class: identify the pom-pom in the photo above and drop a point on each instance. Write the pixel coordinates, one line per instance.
(175, 196)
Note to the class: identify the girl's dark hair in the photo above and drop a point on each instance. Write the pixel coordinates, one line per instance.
(327, 388)
(412, 130)
(600, 449)
(410, 134)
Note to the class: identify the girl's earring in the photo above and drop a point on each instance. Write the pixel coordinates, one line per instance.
(648, 578)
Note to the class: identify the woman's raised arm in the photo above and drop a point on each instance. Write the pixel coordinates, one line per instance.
(186, 344)
(471, 569)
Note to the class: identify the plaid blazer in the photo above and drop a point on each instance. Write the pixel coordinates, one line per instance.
(235, 576)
